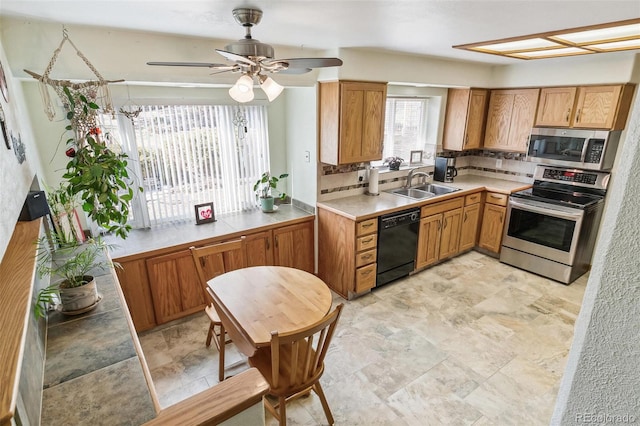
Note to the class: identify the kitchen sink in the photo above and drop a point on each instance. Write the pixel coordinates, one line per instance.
(435, 188)
(416, 194)
(421, 192)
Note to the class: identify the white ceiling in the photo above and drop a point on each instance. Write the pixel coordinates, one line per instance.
(422, 27)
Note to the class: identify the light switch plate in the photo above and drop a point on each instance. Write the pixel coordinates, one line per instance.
(499, 163)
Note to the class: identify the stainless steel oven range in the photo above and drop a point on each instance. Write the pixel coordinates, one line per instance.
(551, 228)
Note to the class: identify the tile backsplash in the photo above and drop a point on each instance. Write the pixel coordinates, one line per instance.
(343, 181)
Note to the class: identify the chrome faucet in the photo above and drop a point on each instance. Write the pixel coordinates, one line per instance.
(412, 174)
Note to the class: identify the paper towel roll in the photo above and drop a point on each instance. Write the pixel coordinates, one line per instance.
(373, 181)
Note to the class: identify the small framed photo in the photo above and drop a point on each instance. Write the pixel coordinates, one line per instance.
(416, 157)
(204, 213)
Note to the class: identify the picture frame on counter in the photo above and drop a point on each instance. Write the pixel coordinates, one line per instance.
(415, 158)
(204, 213)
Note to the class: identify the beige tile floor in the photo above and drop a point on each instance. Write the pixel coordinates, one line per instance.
(468, 342)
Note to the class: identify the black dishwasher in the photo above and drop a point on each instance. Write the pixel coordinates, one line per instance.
(397, 244)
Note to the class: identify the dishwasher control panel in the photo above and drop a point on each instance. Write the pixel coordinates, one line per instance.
(399, 218)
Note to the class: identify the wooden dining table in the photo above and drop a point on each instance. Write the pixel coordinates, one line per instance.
(252, 302)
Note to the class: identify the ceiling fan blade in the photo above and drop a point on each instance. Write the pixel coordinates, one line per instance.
(234, 57)
(191, 64)
(295, 71)
(309, 62)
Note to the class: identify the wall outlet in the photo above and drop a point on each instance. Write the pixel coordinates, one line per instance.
(307, 157)
(361, 175)
(499, 163)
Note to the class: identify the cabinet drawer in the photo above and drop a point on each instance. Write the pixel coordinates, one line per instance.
(472, 198)
(367, 227)
(497, 198)
(366, 242)
(365, 277)
(365, 257)
(431, 209)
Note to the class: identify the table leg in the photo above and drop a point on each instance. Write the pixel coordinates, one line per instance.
(221, 345)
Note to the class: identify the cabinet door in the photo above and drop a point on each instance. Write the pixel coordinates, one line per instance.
(469, 231)
(498, 119)
(362, 107)
(259, 249)
(429, 240)
(455, 122)
(476, 119)
(492, 227)
(450, 237)
(510, 117)
(597, 106)
(525, 104)
(293, 246)
(134, 283)
(555, 107)
(175, 286)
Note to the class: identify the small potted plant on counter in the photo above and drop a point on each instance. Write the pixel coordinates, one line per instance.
(264, 188)
(70, 263)
(393, 162)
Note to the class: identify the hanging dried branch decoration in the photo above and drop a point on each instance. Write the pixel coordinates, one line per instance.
(92, 89)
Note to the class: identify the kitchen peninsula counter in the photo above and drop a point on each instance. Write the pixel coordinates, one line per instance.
(168, 238)
(362, 207)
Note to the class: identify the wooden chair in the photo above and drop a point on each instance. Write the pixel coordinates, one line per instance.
(294, 363)
(211, 261)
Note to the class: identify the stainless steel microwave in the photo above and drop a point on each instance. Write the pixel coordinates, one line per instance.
(583, 149)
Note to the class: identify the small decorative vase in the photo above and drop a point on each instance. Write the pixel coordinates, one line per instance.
(77, 300)
(266, 204)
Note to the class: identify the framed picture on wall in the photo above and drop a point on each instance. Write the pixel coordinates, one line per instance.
(204, 213)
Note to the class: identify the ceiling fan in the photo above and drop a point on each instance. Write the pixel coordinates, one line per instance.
(254, 60)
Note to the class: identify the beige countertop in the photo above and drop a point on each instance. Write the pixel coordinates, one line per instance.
(184, 234)
(359, 207)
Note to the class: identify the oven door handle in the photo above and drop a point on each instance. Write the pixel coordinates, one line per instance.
(547, 211)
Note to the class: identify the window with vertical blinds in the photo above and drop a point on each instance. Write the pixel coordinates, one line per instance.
(185, 155)
(404, 126)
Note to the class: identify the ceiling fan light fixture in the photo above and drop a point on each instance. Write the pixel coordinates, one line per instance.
(270, 87)
(242, 91)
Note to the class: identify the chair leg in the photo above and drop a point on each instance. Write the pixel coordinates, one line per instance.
(221, 345)
(210, 334)
(283, 410)
(325, 405)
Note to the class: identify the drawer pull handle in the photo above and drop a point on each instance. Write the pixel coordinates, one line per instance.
(367, 272)
(497, 197)
(366, 225)
(368, 256)
(368, 240)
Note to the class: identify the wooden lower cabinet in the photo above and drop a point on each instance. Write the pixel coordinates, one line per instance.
(470, 221)
(134, 283)
(493, 219)
(175, 287)
(347, 253)
(293, 246)
(439, 235)
(165, 287)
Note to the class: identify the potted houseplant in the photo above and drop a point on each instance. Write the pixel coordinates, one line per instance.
(70, 264)
(393, 162)
(96, 172)
(264, 188)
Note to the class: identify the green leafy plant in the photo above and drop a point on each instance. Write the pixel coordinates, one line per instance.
(69, 263)
(267, 184)
(393, 162)
(96, 173)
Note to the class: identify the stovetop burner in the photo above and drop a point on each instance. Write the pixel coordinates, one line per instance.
(559, 197)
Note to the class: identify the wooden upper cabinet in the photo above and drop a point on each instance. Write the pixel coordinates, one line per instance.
(600, 107)
(510, 117)
(465, 119)
(587, 107)
(351, 121)
(555, 107)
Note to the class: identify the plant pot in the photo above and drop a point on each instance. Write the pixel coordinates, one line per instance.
(266, 204)
(394, 167)
(77, 300)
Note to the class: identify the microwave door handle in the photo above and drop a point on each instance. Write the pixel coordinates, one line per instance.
(583, 155)
(546, 211)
